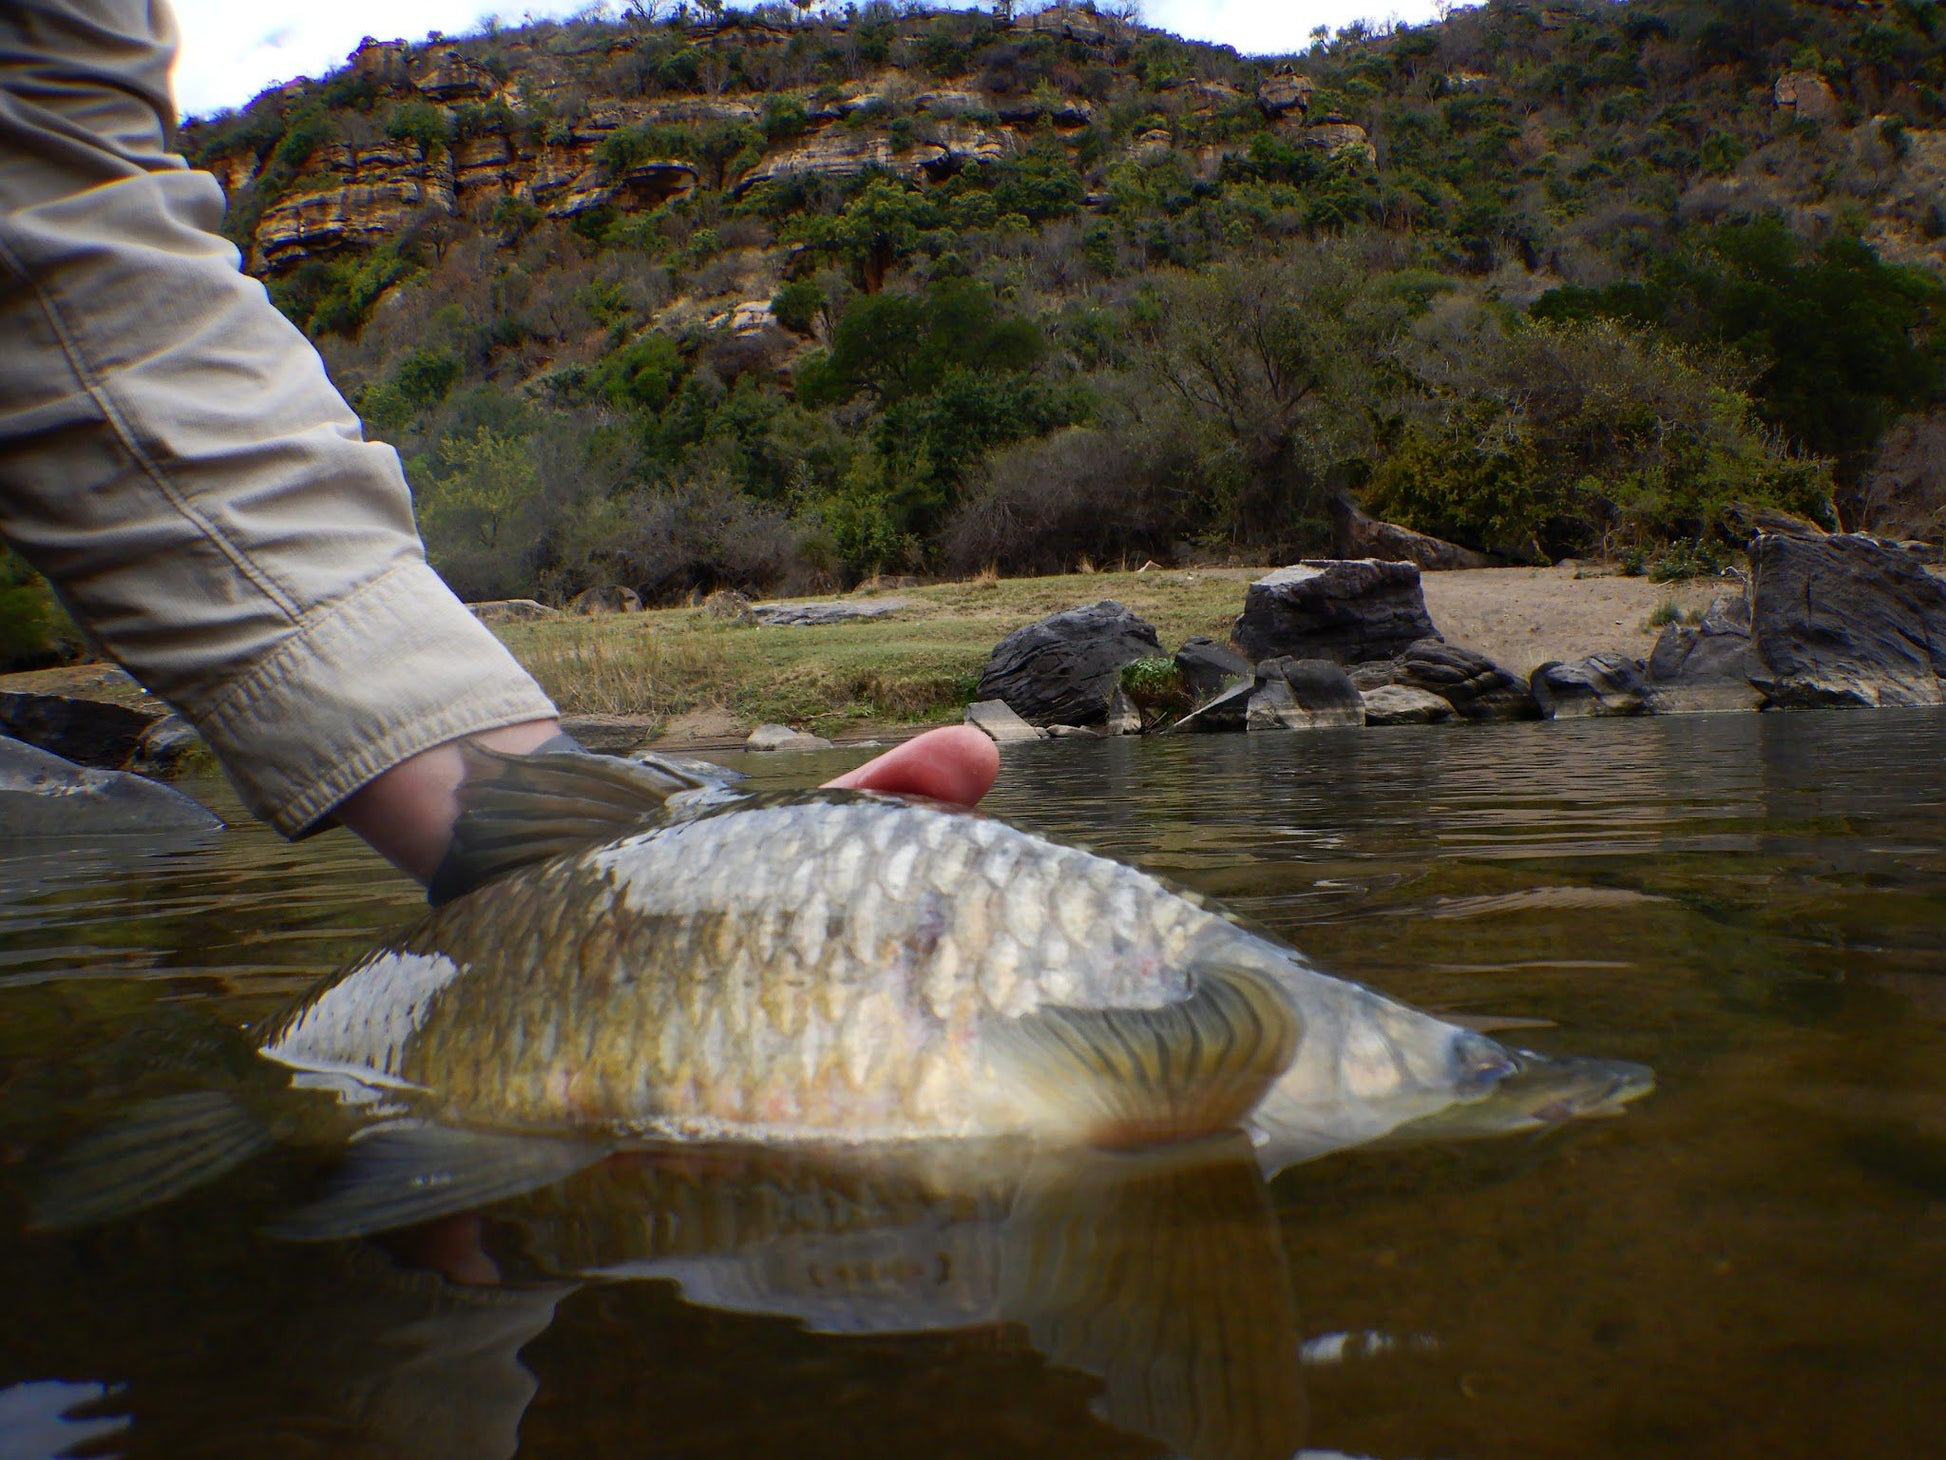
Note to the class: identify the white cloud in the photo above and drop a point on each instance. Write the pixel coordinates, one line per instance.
(232, 49)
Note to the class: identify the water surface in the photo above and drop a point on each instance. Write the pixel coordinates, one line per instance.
(1751, 1262)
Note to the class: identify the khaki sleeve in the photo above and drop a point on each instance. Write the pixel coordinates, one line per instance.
(174, 458)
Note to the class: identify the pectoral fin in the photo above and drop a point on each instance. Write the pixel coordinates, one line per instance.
(151, 1154)
(399, 1176)
(1137, 1077)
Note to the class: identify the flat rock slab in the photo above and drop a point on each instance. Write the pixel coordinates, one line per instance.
(815, 614)
(1065, 669)
(1345, 610)
(43, 795)
(998, 720)
(1230, 710)
(1401, 704)
(1600, 685)
(1845, 620)
(782, 737)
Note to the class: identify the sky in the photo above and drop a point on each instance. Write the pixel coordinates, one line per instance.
(233, 49)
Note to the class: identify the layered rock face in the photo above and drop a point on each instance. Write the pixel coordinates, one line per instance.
(1845, 620)
(1066, 669)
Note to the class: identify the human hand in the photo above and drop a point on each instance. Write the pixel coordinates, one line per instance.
(957, 763)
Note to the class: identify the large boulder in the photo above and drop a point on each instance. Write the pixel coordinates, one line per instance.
(1601, 684)
(1349, 611)
(1208, 668)
(43, 795)
(1304, 694)
(1705, 668)
(1065, 669)
(1356, 535)
(1476, 687)
(92, 732)
(1844, 620)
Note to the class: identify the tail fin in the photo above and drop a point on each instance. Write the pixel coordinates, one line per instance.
(1137, 1077)
(153, 1153)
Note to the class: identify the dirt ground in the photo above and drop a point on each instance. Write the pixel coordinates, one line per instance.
(1522, 617)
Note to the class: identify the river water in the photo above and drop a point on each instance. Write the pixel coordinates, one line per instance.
(1749, 1262)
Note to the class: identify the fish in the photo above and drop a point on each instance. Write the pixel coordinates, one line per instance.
(651, 955)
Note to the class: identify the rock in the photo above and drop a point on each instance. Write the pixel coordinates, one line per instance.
(609, 734)
(1330, 136)
(1065, 669)
(1705, 669)
(1229, 710)
(444, 74)
(782, 737)
(1348, 611)
(1399, 704)
(1845, 620)
(1806, 96)
(1320, 694)
(837, 152)
(607, 598)
(1601, 684)
(1355, 535)
(1209, 668)
(712, 722)
(90, 732)
(729, 606)
(512, 611)
(42, 794)
(1284, 93)
(826, 613)
(368, 194)
(1123, 717)
(1375, 674)
(998, 720)
(1073, 732)
(166, 747)
(1476, 687)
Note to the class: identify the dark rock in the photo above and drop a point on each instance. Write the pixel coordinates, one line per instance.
(1601, 684)
(1399, 704)
(166, 746)
(1230, 710)
(812, 614)
(1209, 668)
(43, 795)
(1476, 687)
(1844, 620)
(1375, 674)
(1320, 692)
(1705, 669)
(90, 732)
(1355, 535)
(1065, 669)
(608, 598)
(1347, 611)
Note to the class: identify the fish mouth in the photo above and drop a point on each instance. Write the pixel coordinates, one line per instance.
(1560, 1088)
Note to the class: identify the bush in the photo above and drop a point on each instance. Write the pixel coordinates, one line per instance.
(34, 629)
(1043, 505)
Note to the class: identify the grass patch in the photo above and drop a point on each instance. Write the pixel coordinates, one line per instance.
(919, 668)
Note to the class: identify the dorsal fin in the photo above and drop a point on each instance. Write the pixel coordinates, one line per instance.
(1138, 1077)
(517, 810)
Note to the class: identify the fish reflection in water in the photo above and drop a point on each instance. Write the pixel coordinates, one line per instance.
(1160, 1277)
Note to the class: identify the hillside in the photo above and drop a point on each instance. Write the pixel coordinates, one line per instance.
(777, 301)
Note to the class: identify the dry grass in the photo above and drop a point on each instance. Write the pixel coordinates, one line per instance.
(917, 668)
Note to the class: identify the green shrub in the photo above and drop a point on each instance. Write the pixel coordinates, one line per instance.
(34, 629)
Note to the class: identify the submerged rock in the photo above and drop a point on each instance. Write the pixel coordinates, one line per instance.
(1065, 669)
(1347, 611)
(1602, 684)
(1400, 704)
(1844, 620)
(42, 794)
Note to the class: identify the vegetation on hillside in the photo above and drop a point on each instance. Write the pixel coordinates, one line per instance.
(1585, 286)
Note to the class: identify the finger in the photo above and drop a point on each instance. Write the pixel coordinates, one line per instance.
(957, 763)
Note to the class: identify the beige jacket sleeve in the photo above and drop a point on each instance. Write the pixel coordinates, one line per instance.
(174, 459)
